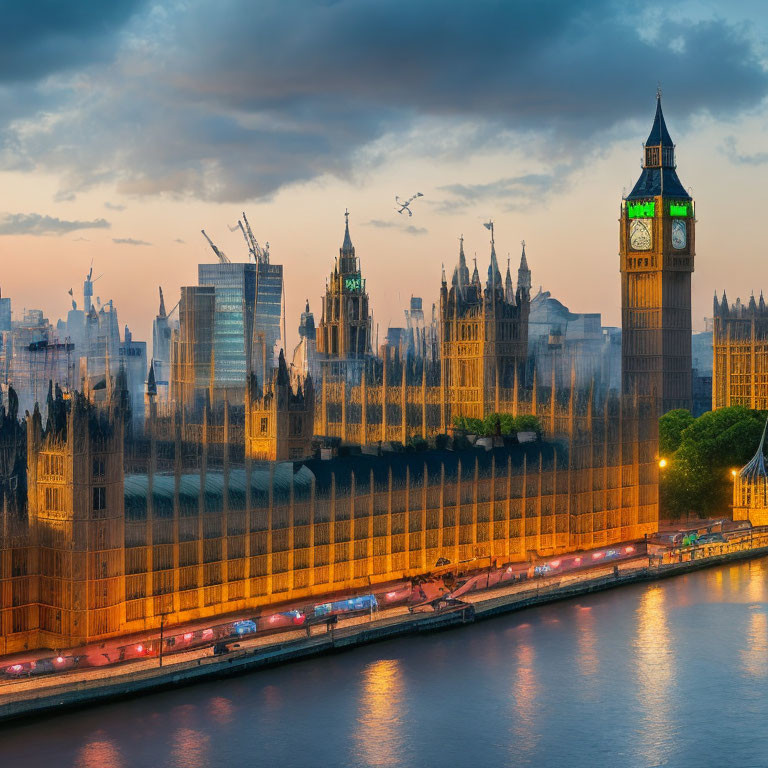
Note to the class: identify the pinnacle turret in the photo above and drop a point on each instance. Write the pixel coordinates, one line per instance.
(509, 289)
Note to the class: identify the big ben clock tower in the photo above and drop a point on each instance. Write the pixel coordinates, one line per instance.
(656, 245)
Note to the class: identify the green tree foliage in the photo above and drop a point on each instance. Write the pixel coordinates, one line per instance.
(671, 427)
(498, 424)
(700, 456)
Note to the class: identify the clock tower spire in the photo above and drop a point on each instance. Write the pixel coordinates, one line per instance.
(656, 246)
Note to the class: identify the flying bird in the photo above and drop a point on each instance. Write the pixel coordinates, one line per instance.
(405, 203)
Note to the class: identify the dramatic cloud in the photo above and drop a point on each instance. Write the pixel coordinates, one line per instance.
(731, 151)
(129, 241)
(409, 229)
(514, 193)
(39, 37)
(38, 224)
(233, 100)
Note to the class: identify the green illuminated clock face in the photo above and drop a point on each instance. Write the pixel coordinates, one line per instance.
(641, 210)
(352, 283)
(640, 234)
(679, 235)
(683, 208)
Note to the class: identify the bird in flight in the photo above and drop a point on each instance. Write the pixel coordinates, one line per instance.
(404, 204)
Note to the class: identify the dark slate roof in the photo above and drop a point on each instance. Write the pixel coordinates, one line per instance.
(400, 462)
(136, 489)
(659, 133)
(658, 181)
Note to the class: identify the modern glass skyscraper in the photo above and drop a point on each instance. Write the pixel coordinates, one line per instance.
(269, 312)
(235, 299)
(247, 316)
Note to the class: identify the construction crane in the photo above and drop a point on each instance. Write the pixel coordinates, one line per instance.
(222, 256)
(260, 255)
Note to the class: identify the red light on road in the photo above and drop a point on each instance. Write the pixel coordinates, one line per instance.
(597, 555)
(509, 570)
(390, 595)
(187, 635)
(16, 668)
(59, 659)
(555, 564)
(577, 561)
(629, 550)
(139, 648)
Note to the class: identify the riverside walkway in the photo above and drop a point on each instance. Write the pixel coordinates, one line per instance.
(480, 598)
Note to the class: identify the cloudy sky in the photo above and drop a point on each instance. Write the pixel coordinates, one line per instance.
(127, 126)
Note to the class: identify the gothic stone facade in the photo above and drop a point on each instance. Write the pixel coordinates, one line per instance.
(740, 354)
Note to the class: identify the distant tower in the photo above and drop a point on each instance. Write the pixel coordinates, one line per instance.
(483, 335)
(344, 333)
(656, 245)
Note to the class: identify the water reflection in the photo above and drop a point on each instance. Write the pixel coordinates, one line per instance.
(524, 706)
(380, 719)
(586, 638)
(190, 749)
(755, 590)
(99, 753)
(222, 710)
(655, 669)
(755, 655)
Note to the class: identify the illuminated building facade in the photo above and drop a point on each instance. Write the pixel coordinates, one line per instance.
(483, 335)
(740, 354)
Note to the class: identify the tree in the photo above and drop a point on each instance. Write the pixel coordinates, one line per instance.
(697, 479)
(671, 426)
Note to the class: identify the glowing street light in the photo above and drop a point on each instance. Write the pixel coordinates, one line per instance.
(662, 463)
(734, 472)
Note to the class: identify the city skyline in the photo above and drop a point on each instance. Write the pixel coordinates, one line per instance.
(475, 151)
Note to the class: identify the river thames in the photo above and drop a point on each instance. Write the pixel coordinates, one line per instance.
(672, 673)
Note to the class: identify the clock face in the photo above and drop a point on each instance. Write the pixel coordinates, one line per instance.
(640, 234)
(352, 283)
(679, 238)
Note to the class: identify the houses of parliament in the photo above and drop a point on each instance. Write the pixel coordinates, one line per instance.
(352, 469)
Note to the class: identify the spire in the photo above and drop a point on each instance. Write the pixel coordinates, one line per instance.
(161, 311)
(716, 304)
(659, 135)
(494, 275)
(347, 247)
(509, 289)
(151, 383)
(724, 304)
(761, 303)
(659, 177)
(475, 273)
(443, 274)
(523, 273)
(752, 303)
(755, 469)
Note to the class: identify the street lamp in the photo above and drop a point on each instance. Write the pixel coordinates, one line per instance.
(662, 463)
